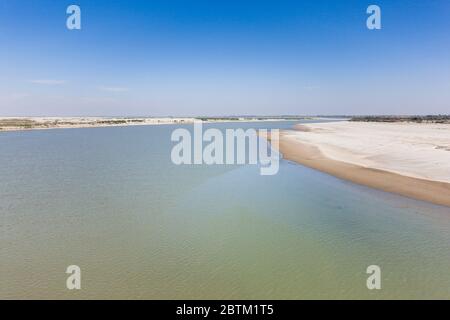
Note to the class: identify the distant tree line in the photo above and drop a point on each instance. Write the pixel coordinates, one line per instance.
(418, 119)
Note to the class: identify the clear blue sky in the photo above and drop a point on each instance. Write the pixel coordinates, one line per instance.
(224, 57)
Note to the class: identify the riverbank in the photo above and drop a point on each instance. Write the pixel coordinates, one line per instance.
(39, 123)
(409, 159)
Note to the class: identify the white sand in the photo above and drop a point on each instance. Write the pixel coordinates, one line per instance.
(411, 149)
(39, 123)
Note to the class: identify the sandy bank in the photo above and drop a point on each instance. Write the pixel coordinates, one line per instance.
(40, 123)
(412, 160)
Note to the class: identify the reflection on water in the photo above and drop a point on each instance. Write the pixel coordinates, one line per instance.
(111, 201)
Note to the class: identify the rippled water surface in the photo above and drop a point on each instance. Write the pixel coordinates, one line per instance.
(110, 201)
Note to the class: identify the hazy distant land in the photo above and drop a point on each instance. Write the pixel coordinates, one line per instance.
(417, 119)
(29, 123)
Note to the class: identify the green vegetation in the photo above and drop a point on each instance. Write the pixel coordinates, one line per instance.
(112, 121)
(17, 123)
(252, 118)
(26, 123)
(416, 119)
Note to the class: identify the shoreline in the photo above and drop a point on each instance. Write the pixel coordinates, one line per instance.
(309, 155)
(46, 123)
